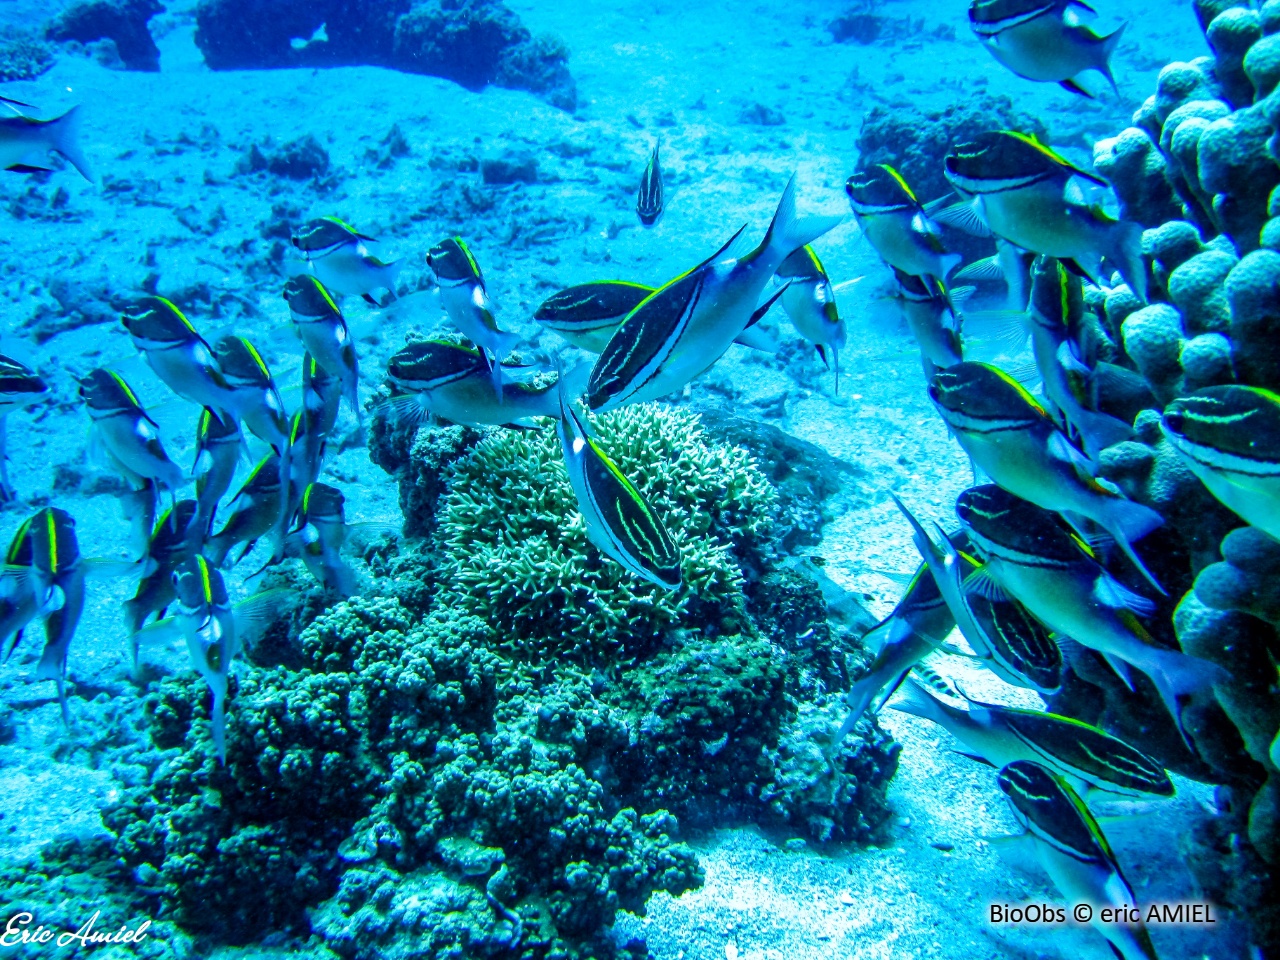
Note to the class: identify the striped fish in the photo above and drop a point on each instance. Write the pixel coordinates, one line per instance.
(810, 302)
(918, 625)
(1057, 321)
(322, 329)
(454, 383)
(1014, 645)
(336, 253)
(897, 225)
(1230, 438)
(130, 436)
(1000, 735)
(256, 509)
(680, 330)
(318, 535)
(467, 302)
(214, 630)
(177, 353)
(619, 520)
(219, 445)
(1014, 441)
(176, 537)
(253, 390)
(1033, 558)
(59, 574)
(588, 314)
(649, 203)
(1069, 844)
(1022, 191)
(1045, 40)
(932, 319)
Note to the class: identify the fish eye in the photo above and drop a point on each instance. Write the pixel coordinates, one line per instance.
(1173, 420)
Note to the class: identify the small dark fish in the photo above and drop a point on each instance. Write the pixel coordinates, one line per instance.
(649, 201)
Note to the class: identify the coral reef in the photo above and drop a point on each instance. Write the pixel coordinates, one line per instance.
(123, 22)
(515, 547)
(472, 42)
(23, 55)
(1199, 169)
(500, 764)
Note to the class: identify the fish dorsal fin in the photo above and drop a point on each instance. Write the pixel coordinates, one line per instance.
(733, 248)
(1031, 140)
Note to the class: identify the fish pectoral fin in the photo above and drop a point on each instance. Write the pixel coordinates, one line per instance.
(1019, 851)
(921, 224)
(101, 568)
(1005, 329)
(987, 269)
(1060, 448)
(964, 216)
(256, 613)
(1110, 592)
(408, 408)
(982, 583)
(158, 632)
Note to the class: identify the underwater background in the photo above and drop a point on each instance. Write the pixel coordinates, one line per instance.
(506, 673)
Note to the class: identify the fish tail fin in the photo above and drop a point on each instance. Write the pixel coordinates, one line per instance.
(1124, 250)
(860, 698)
(1105, 51)
(789, 231)
(64, 133)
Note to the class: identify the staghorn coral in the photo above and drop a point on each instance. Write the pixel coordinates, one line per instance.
(515, 549)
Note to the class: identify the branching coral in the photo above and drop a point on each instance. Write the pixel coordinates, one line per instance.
(516, 552)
